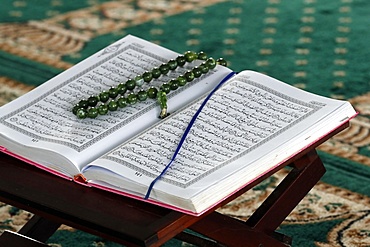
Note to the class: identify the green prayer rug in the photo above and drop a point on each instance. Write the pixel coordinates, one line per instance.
(317, 45)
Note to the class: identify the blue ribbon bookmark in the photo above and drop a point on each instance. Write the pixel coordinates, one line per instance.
(186, 132)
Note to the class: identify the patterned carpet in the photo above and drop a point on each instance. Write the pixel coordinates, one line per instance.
(321, 46)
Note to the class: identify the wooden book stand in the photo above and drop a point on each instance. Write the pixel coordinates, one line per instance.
(56, 201)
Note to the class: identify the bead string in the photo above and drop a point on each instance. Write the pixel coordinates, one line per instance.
(115, 97)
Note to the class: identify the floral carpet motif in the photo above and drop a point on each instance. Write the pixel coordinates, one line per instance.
(323, 203)
(320, 46)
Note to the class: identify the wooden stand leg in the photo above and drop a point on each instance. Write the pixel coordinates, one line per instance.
(39, 228)
(259, 230)
(306, 172)
(234, 233)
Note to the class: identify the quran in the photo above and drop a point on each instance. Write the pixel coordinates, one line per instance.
(250, 125)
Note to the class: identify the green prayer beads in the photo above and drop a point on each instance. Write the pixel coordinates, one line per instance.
(92, 112)
(132, 91)
(189, 76)
(142, 95)
(190, 56)
(103, 109)
(132, 98)
(131, 84)
(122, 102)
(112, 105)
(152, 93)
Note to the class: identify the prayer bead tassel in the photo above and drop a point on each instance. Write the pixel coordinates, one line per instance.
(162, 101)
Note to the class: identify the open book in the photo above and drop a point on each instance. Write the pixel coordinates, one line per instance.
(250, 125)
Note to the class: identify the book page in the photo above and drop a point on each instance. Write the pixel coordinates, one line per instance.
(44, 119)
(250, 118)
